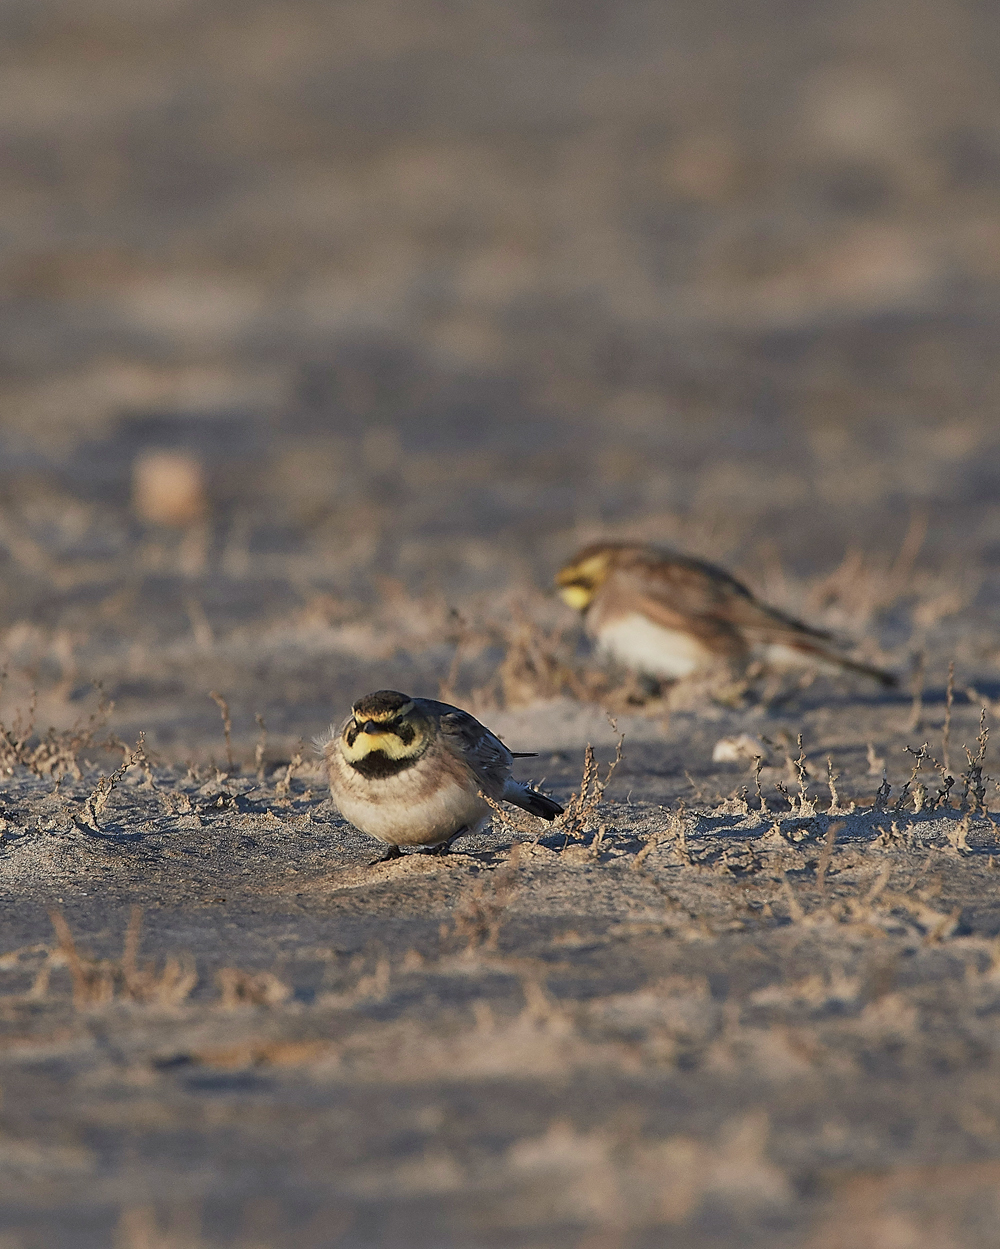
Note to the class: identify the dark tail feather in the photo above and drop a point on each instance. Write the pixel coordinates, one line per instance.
(887, 679)
(536, 804)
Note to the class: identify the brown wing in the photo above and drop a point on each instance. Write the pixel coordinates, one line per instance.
(696, 597)
(485, 755)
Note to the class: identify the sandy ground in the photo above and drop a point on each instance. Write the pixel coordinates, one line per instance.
(425, 297)
(677, 1015)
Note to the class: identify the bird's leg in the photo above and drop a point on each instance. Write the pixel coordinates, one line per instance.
(391, 852)
(643, 688)
(444, 847)
(651, 687)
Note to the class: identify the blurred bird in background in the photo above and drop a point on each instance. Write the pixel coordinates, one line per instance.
(667, 616)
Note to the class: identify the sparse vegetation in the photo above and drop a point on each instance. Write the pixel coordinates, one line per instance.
(96, 982)
(55, 752)
(796, 877)
(583, 805)
(332, 330)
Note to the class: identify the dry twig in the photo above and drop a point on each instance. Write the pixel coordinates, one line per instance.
(227, 726)
(98, 798)
(582, 807)
(283, 787)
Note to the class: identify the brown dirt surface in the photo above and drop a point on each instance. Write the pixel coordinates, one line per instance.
(329, 332)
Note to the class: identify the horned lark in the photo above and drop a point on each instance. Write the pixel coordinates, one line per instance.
(668, 616)
(412, 772)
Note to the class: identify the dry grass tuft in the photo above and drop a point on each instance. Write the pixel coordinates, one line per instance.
(479, 913)
(861, 585)
(973, 780)
(99, 981)
(582, 807)
(54, 754)
(260, 750)
(521, 823)
(537, 664)
(227, 727)
(98, 798)
(618, 1180)
(674, 834)
(538, 660)
(168, 987)
(241, 988)
(284, 786)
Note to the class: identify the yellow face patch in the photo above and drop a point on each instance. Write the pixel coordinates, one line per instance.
(578, 583)
(577, 596)
(390, 736)
(388, 744)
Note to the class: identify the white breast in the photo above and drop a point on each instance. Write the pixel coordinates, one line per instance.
(397, 813)
(638, 643)
(778, 655)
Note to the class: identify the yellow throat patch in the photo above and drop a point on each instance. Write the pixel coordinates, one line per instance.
(576, 596)
(388, 744)
(578, 583)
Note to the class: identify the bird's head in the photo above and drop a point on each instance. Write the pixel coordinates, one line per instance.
(583, 576)
(385, 733)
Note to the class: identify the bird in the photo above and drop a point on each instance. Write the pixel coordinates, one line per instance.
(414, 772)
(667, 616)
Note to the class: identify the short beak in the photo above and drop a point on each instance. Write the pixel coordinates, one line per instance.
(371, 726)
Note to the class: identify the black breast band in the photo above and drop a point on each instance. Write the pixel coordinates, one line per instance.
(376, 764)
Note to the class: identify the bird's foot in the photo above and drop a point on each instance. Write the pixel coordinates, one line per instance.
(444, 847)
(641, 688)
(391, 852)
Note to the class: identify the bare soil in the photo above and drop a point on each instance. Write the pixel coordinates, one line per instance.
(432, 297)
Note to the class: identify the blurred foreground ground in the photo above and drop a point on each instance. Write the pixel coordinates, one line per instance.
(420, 298)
